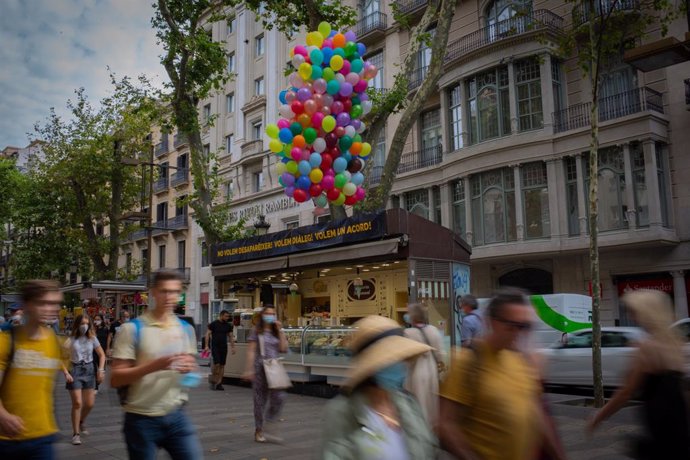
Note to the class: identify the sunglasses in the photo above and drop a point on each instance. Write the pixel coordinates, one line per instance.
(519, 325)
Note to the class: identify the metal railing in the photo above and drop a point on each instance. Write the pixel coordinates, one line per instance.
(429, 156)
(417, 77)
(612, 107)
(179, 140)
(180, 222)
(252, 147)
(161, 185)
(687, 91)
(375, 175)
(137, 235)
(185, 272)
(581, 14)
(160, 227)
(180, 177)
(370, 23)
(162, 147)
(408, 6)
(534, 21)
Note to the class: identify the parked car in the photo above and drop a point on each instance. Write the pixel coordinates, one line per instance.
(569, 361)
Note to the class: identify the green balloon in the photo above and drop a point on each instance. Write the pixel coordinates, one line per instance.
(356, 65)
(296, 128)
(345, 143)
(356, 111)
(328, 74)
(339, 51)
(355, 101)
(357, 138)
(350, 48)
(310, 135)
(340, 180)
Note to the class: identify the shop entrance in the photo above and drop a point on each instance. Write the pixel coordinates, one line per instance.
(534, 280)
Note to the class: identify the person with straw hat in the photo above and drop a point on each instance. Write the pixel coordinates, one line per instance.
(374, 418)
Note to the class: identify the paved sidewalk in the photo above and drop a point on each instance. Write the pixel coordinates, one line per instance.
(225, 423)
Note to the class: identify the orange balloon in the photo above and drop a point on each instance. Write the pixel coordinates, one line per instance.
(304, 120)
(298, 141)
(339, 41)
(356, 148)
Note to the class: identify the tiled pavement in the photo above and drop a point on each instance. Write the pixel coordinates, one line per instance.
(225, 423)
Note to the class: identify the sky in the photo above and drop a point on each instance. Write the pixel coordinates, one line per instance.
(49, 48)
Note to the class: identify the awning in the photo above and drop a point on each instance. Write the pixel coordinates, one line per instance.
(250, 267)
(106, 285)
(362, 251)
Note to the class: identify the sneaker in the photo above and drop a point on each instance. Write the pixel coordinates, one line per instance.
(259, 436)
(219, 387)
(82, 430)
(270, 432)
(76, 440)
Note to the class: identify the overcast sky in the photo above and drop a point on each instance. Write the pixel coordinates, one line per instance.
(48, 48)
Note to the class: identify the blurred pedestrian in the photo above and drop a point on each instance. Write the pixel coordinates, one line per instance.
(491, 400)
(374, 418)
(114, 327)
(472, 324)
(266, 341)
(656, 376)
(82, 378)
(101, 331)
(30, 356)
(424, 374)
(217, 337)
(154, 360)
(16, 318)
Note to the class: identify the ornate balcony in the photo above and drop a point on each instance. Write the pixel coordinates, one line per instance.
(371, 26)
(581, 14)
(525, 26)
(424, 158)
(161, 185)
(181, 177)
(137, 235)
(612, 107)
(417, 78)
(180, 222)
(179, 140)
(411, 6)
(160, 227)
(252, 147)
(162, 147)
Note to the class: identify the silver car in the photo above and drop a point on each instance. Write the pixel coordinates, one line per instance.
(569, 362)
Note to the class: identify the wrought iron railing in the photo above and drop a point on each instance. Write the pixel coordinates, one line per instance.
(160, 185)
(370, 23)
(581, 13)
(538, 20)
(408, 6)
(417, 77)
(160, 226)
(375, 175)
(162, 147)
(137, 235)
(612, 107)
(429, 156)
(180, 222)
(179, 140)
(180, 177)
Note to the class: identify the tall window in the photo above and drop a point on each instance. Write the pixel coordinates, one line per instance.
(377, 60)
(257, 130)
(436, 191)
(571, 195)
(259, 45)
(182, 162)
(424, 57)
(379, 158)
(207, 150)
(163, 171)
(501, 18)
(459, 209)
(639, 184)
(204, 254)
(489, 105)
(618, 95)
(229, 189)
(181, 254)
(162, 212)
(493, 207)
(557, 81)
(535, 200)
(128, 263)
(258, 181)
(259, 86)
(661, 171)
(230, 25)
(161, 256)
(455, 103)
(229, 139)
(528, 88)
(368, 7)
(417, 202)
(612, 197)
(207, 114)
(231, 62)
(144, 257)
(180, 206)
(230, 102)
(431, 135)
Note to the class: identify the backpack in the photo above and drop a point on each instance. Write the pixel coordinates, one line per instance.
(123, 390)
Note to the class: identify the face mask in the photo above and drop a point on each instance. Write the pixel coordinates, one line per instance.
(83, 328)
(16, 318)
(97, 323)
(406, 318)
(391, 378)
(270, 319)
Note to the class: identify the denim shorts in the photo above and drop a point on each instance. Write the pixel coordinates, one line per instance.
(84, 377)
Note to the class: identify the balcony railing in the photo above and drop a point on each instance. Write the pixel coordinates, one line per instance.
(137, 235)
(375, 175)
(417, 77)
(370, 23)
(160, 227)
(612, 107)
(409, 6)
(161, 185)
(252, 147)
(581, 14)
(687, 92)
(420, 159)
(180, 140)
(180, 222)
(180, 177)
(162, 147)
(535, 21)
(185, 273)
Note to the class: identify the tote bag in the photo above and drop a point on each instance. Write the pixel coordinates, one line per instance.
(276, 375)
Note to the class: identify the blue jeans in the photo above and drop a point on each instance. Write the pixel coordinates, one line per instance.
(30, 449)
(173, 432)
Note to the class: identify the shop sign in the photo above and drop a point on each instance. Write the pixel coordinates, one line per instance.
(347, 231)
(266, 208)
(658, 284)
(365, 291)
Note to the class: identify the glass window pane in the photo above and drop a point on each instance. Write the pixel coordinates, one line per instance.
(493, 216)
(536, 204)
(641, 200)
(573, 213)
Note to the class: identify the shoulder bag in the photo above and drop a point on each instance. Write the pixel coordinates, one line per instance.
(277, 377)
(442, 370)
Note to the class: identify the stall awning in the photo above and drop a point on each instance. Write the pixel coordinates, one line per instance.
(105, 285)
(355, 252)
(254, 266)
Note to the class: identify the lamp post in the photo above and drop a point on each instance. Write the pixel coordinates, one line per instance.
(261, 225)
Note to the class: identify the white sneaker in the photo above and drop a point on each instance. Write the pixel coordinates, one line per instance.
(76, 440)
(271, 431)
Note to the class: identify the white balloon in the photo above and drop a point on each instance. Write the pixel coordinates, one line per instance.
(366, 107)
(297, 59)
(296, 80)
(347, 174)
(286, 112)
(319, 144)
(350, 130)
(340, 77)
(362, 127)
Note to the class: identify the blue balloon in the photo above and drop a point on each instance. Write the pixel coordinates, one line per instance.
(347, 156)
(316, 57)
(285, 135)
(357, 178)
(281, 96)
(315, 160)
(340, 164)
(303, 182)
(286, 160)
(333, 87)
(361, 49)
(327, 55)
(304, 168)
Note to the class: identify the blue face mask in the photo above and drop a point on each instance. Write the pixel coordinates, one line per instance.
(270, 319)
(392, 378)
(406, 318)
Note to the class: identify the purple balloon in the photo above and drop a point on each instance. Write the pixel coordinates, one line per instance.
(350, 36)
(288, 179)
(356, 124)
(303, 94)
(363, 96)
(345, 89)
(343, 119)
(337, 107)
(289, 191)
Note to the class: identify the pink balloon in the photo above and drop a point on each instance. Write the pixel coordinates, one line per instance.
(316, 119)
(346, 67)
(319, 86)
(360, 193)
(360, 86)
(327, 43)
(352, 78)
(290, 96)
(301, 49)
(296, 153)
(370, 71)
(328, 100)
(310, 107)
(326, 110)
(318, 100)
(328, 181)
(304, 155)
(283, 123)
(336, 108)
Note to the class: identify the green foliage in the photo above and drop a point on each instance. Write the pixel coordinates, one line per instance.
(289, 16)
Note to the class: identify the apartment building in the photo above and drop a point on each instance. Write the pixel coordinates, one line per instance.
(499, 153)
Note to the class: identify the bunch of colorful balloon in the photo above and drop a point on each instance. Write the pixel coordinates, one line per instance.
(317, 138)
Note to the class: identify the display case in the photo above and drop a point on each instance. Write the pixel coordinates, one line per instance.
(327, 346)
(294, 337)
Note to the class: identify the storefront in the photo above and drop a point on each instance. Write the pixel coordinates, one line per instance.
(322, 278)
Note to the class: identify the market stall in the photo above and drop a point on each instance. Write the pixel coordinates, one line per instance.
(323, 278)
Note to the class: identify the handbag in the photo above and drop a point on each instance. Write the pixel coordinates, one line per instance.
(277, 377)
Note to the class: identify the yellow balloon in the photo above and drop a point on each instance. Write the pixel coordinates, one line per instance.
(337, 62)
(275, 145)
(316, 175)
(366, 149)
(318, 39)
(280, 168)
(324, 29)
(310, 39)
(305, 71)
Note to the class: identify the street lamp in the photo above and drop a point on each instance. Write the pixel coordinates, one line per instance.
(261, 225)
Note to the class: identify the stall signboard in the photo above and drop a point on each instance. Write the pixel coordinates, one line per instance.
(355, 229)
(364, 291)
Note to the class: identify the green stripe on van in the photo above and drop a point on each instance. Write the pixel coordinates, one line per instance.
(554, 319)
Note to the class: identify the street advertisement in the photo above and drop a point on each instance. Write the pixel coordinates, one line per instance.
(461, 287)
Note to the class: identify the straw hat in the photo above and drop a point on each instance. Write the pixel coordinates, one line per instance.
(378, 343)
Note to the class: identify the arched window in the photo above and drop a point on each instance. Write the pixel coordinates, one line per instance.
(613, 202)
(507, 16)
(493, 206)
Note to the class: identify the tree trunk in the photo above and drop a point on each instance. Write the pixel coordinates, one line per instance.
(92, 245)
(115, 212)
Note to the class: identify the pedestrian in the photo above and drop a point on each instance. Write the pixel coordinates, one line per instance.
(656, 376)
(423, 376)
(374, 418)
(218, 334)
(82, 378)
(472, 324)
(266, 341)
(154, 364)
(114, 327)
(102, 332)
(16, 318)
(30, 356)
(491, 400)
